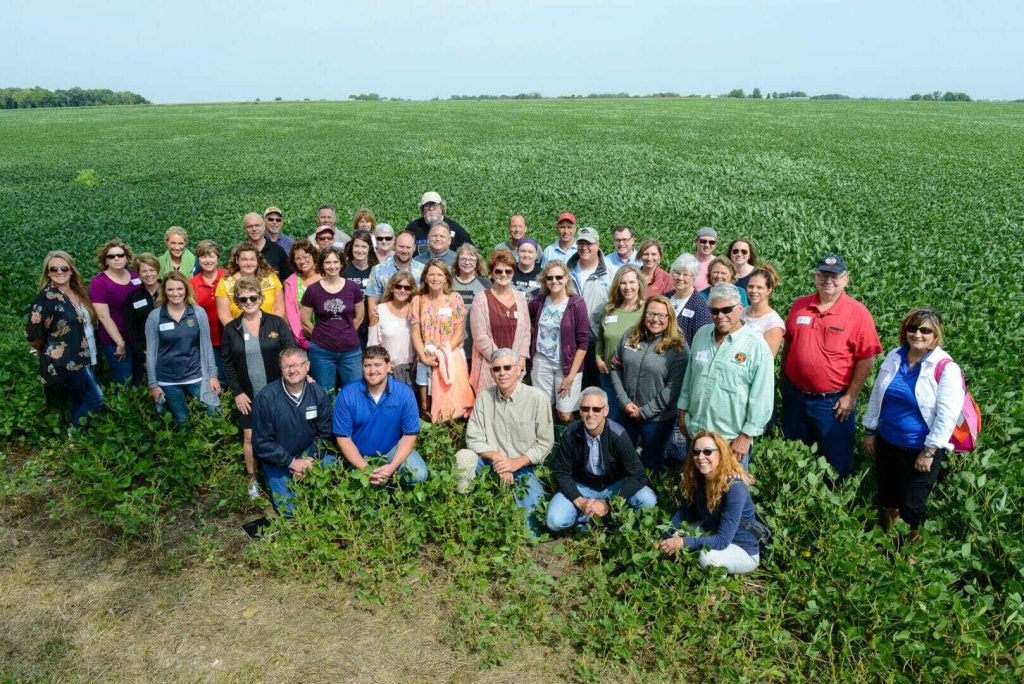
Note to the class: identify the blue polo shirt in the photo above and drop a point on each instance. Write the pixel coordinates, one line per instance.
(376, 427)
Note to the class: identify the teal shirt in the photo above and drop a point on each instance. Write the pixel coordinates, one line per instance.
(728, 389)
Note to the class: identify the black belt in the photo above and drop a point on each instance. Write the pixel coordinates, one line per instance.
(822, 395)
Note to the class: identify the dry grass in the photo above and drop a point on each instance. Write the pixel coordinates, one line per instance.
(77, 607)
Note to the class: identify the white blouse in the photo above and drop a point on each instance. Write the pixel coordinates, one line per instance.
(394, 333)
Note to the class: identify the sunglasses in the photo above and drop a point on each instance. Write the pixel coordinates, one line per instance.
(591, 409)
(385, 238)
(271, 219)
(556, 278)
(503, 271)
(911, 329)
(741, 251)
(59, 269)
(498, 369)
(248, 299)
(707, 242)
(122, 255)
(705, 451)
(403, 288)
(721, 310)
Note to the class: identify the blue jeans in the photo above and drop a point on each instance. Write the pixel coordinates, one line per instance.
(85, 396)
(123, 371)
(654, 435)
(335, 369)
(414, 468)
(563, 514)
(174, 401)
(811, 421)
(279, 479)
(615, 412)
(526, 488)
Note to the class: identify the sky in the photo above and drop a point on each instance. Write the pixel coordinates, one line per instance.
(229, 50)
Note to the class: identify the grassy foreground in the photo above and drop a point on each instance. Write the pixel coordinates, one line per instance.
(923, 199)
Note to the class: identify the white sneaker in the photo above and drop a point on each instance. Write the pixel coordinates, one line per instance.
(254, 491)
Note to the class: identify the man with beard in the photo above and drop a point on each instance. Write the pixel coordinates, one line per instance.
(432, 212)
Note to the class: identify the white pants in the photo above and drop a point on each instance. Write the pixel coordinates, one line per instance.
(734, 559)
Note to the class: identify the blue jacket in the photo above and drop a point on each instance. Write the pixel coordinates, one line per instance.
(283, 431)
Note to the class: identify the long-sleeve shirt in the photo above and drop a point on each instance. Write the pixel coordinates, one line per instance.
(617, 461)
(519, 425)
(728, 388)
(651, 380)
(724, 521)
(283, 429)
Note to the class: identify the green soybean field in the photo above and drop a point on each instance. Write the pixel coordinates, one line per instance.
(924, 200)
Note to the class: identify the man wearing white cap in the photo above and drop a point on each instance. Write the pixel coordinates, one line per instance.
(432, 212)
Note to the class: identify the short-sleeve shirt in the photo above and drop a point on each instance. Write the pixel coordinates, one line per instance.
(206, 297)
(527, 283)
(549, 330)
(335, 313)
(103, 290)
(376, 426)
(269, 286)
(438, 319)
(823, 347)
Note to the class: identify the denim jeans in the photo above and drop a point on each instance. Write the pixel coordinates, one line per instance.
(413, 468)
(563, 514)
(335, 369)
(653, 435)
(527, 489)
(174, 401)
(279, 479)
(811, 421)
(123, 371)
(85, 396)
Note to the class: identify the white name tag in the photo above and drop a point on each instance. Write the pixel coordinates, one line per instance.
(515, 314)
(444, 311)
(136, 281)
(245, 337)
(611, 319)
(452, 233)
(311, 413)
(164, 327)
(687, 313)
(139, 304)
(803, 320)
(704, 356)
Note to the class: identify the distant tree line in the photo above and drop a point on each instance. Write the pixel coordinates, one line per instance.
(34, 98)
(946, 97)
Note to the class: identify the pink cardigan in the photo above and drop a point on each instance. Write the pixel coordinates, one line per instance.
(483, 343)
(291, 309)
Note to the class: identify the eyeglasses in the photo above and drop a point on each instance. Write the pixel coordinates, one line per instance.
(705, 452)
(911, 329)
(556, 278)
(704, 241)
(120, 255)
(715, 311)
(385, 238)
(737, 250)
(430, 205)
(59, 269)
(498, 369)
(294, 366)
(834, 277)
(591, 409)
(652, 316)
(248, 299)
(402, 288)
(503, 271)
(622, 241)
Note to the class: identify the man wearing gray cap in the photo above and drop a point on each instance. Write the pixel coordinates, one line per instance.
(704, 250)
(273, 219)
(593, 279)
(432, 212)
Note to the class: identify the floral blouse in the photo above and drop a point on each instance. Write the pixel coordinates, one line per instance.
(59, 325)
(438, 319)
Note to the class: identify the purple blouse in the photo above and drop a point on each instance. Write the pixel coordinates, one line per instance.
(103, 290)
(334, 329)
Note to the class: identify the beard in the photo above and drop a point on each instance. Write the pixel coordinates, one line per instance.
(432, 219)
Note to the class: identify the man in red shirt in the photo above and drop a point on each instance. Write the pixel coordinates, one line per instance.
(831, 345)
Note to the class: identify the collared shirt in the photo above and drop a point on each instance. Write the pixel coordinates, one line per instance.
(381, 274)
(283, 241)
(555, 251)
(448, 258)
(728, 388)
(594, 465)
(615, 262)
(518, 425)
(376, 426)
(823, 347)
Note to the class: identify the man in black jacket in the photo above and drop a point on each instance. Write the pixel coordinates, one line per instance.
(291, 427)
(432, 212)
(596, 460)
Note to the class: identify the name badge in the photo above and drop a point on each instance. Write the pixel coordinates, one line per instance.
(452, 232)
(164, 327)
(444, 311)
(311, 413)
(803, 320)
(611, 319)
(136, 281)
(515, 314)
(245, 336)
(688, 313)
(139, 304)
(704, 356)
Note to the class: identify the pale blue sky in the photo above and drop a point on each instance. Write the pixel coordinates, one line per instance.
(211, 50)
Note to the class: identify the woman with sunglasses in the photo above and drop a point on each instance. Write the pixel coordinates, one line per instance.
(647, 373)
(383, 241)
(179, 351)
(744, 259)
(915, 404)
(60, 330)
(716, 498)
(721, 270)
(500, 319)
(559, 335)
(470, 280)
(620, 315)
(252, 344)
(760, 315)
(108, 291)
(391, 326)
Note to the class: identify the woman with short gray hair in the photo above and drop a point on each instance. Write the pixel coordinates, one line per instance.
(691, 309)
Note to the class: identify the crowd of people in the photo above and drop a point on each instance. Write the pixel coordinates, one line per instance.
(337, 345)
